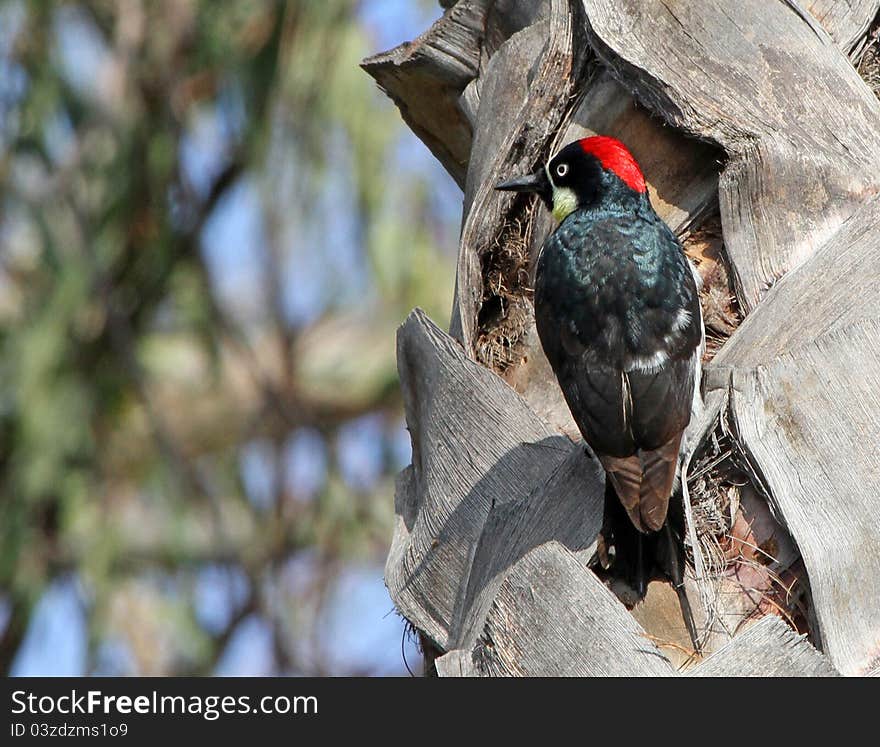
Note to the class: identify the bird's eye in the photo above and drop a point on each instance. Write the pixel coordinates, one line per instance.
(562, 169)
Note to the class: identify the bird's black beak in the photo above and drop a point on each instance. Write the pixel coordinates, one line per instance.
(536, 182)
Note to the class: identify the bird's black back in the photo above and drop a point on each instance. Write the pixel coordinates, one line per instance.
(614, 292)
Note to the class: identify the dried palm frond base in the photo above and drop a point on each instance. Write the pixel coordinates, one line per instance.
(867, 60)
(721, 314)
(506, 312)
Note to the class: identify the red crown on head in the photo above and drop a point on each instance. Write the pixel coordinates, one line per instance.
(614, 156)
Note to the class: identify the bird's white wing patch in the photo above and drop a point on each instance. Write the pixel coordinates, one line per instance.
(648, 363)
(626, 399)
(682, 320)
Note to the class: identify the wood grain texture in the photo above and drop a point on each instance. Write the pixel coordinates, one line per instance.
(803, 141)
(767, 648)
(507, 17)
(426, 77)
(809, 423)
(503, 86)
(551, 616)
(846, 21)
(476, 446)
(519, 122)
(567, 508)
(456, 663)
(801, 372)
(833, 289)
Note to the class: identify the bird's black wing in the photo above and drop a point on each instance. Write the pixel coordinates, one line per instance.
(618, 314)
(662, 400)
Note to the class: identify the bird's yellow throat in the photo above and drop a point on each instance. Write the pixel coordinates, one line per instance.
(564, 202)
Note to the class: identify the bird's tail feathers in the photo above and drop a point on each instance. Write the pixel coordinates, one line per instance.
(644, 482)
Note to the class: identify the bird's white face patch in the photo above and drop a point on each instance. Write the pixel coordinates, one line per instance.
(565, 201)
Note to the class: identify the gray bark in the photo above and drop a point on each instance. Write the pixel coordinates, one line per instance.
(768, 648)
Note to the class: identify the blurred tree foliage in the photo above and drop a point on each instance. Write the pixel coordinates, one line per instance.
(157, 394)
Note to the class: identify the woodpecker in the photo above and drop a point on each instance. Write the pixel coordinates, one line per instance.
(618, 314)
